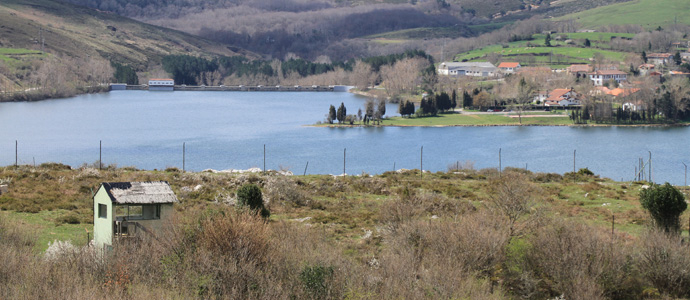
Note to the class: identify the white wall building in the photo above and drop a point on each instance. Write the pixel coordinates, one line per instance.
(476, 69)
(158, 84)
(602, 76)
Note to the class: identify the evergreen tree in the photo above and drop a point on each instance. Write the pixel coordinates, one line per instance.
(665, 203)
(634, 70)
(585, 113)
(547, 40)
(331, 114)
(588, 43)
(453, 100)
(369, 110)
(381, 108)
(249, 196)
(342, 113)
(466, 99)
(409, 108)
(125, 74)
(644, 54)
(677, 58)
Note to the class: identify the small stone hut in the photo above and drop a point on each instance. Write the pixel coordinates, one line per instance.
(130, 209)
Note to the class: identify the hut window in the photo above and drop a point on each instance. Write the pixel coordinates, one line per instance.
(151, 212)
(139, 212)
(102, 211)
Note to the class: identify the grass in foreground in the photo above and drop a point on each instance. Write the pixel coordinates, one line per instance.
(390, 236)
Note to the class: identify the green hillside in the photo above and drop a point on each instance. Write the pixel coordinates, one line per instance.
(80, 32)
(648, 13)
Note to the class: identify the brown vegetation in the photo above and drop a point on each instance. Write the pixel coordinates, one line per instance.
(391, 236)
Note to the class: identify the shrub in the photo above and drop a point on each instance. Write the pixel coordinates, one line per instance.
(665, 203)
(249, 195)
(665, 263)
(315, 280)
(70, 218)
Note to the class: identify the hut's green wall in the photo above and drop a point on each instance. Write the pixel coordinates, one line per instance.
(102, 228)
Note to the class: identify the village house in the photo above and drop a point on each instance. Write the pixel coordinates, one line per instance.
(562, 97)
(659, 58)
(475, 69)
(161, 84)
(130, 209)
(579, 71)
(540, 97)
(616, 92)
(603, 76)
(509, 67)
(645, 69)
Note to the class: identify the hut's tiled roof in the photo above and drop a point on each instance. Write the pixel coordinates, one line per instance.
(150, 192)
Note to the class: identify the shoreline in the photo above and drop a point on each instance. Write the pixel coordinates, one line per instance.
(503, 125)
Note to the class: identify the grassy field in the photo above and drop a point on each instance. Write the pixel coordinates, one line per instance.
(10, 55)
(475, 120)
(560, 54)
(648, 13)
(48, 226)
(418, 34)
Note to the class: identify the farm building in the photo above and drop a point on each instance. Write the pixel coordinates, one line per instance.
(659, 58)
(130, 209)
(476, 69)
(158, 84)
(509, 67)
(601, 77)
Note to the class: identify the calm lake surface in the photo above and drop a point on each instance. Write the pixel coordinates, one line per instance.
(227, 130)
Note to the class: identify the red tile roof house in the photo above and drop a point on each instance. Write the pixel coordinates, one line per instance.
(579, 70)
(604, 76)
(645, 69)
(509, 67)
(562, 97)
(659, 58)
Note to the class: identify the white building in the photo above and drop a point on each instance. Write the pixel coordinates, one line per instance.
(158, 84)
(602, 76)
(509, 67)
(476, 69)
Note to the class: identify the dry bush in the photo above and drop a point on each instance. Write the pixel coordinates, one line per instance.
(547, 177)
(580, 262)
(328, 186)
(371, 185)
(458, 166)
(664, 261)
(280, 189)
(413, 204)
(513, 196)
(302, 247)
(441, 259)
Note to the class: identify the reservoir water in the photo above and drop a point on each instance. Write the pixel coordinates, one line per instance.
(228, 130)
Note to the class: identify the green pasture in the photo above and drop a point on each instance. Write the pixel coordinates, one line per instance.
(650, 14)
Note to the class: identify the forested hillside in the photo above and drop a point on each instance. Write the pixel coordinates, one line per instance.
(331, 29)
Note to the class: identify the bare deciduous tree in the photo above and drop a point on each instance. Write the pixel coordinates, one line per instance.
(513, 196)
